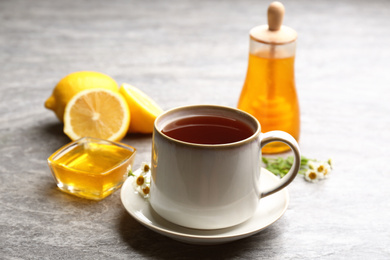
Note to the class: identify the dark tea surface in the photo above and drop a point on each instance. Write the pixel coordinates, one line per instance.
(208, 130)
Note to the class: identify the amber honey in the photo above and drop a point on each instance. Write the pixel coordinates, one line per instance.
(269, 95)
(91, 168)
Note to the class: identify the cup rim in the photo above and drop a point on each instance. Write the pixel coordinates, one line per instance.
(236, 110)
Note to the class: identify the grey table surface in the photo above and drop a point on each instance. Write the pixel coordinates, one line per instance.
(196, 52)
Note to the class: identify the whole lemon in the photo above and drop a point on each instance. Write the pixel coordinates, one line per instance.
(73, 84)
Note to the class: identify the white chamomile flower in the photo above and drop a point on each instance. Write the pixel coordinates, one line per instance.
(323, 168)
(145, 167)
(145, 190)
(312, 175)
(141, 180)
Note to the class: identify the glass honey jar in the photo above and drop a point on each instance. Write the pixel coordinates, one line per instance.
(269, 91)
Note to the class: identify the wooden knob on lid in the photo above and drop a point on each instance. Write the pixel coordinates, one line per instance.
(275, 16)
(274, 32)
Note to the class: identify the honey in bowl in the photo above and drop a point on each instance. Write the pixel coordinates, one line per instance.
(91, 168)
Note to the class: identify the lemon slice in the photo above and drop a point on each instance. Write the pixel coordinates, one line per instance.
(97, 113)
(142, 108)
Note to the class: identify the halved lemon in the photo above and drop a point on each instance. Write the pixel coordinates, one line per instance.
(142, 108)
(97, 113)
(73, 84)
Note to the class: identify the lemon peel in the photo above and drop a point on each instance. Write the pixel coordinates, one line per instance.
(142, 108)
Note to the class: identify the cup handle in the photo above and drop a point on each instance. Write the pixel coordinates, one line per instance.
(280, 136)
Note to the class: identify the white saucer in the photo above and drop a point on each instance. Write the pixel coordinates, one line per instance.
(269, 210)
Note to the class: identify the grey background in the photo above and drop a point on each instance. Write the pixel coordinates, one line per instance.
(195, 52)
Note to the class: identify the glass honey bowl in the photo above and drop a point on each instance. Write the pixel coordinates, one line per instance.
(91, 168)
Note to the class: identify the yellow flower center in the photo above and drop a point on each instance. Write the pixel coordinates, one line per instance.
(146, 190)
(140, 180)
(312, 175)
(146, 168)
(321, 168)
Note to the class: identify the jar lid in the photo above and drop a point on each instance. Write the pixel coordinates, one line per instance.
(274, 32)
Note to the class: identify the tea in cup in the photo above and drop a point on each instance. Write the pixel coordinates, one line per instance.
(206, 166)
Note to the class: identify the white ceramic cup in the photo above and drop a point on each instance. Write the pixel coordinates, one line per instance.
(211, 186)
